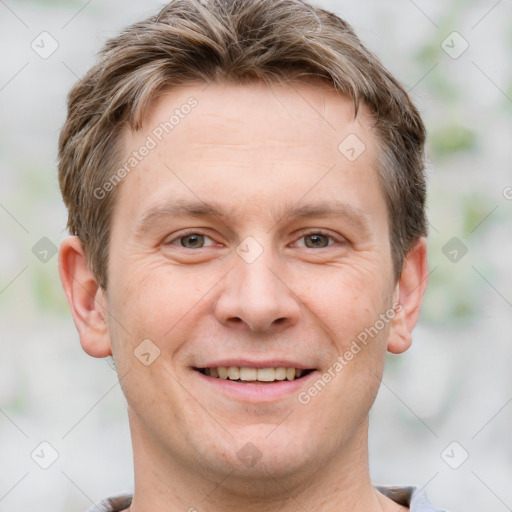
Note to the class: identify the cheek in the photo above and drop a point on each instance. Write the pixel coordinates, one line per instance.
(347, 298)
(153, 299)
(151, 295)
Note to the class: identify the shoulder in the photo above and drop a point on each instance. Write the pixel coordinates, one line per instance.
(115, 503)
(411, 496)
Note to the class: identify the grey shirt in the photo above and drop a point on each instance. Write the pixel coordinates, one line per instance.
(413, 497)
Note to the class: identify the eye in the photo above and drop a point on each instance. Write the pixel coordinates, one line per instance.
(316, 240)
(191, 241)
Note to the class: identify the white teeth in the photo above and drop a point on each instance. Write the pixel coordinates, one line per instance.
(280, 373)
(247, 374)
(233, 373)
(266, 374)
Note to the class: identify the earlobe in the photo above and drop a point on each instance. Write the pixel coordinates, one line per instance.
(408, 297)
(85, 297)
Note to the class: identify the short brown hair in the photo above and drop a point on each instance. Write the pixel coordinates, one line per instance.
(237, 41)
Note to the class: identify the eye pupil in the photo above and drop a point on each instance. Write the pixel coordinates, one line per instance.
(194, 241)
(316, 240)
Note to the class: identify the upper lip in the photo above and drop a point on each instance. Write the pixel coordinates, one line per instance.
(268, 363)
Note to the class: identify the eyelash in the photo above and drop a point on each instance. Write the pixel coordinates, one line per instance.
(185, 234)
(319, 232)
(303, 234)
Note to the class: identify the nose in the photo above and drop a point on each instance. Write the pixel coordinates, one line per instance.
(255, 296)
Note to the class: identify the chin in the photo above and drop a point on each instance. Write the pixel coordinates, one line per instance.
(268, 450)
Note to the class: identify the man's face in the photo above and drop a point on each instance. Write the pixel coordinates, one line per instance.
(248, 238)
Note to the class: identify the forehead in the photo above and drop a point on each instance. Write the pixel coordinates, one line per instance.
(282, 111)
(244, 142)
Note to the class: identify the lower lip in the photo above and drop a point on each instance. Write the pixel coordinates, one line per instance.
(257, 393)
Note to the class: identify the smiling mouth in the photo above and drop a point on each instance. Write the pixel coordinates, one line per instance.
(254, 375)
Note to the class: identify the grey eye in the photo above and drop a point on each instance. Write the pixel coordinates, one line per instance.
(316, 240)
(192, 241)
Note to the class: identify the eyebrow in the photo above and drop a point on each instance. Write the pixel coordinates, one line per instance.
(177, 208)
(197, 208)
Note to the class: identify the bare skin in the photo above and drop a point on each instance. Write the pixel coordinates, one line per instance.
(183, 280)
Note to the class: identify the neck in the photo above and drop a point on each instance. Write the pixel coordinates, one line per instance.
(166, 483)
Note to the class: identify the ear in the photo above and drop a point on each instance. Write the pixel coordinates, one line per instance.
(409, 296)
(85, 297)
